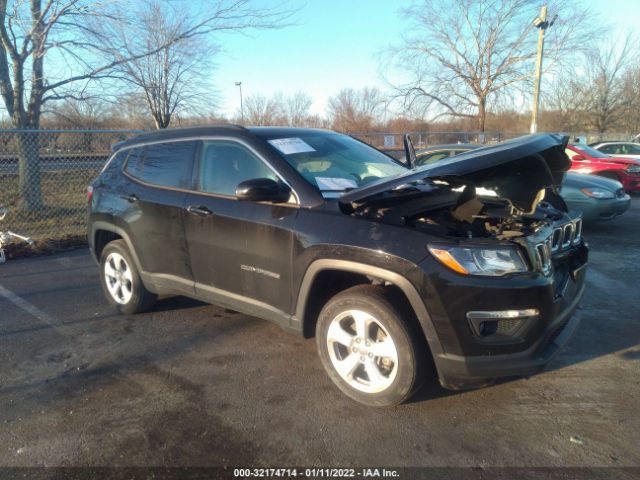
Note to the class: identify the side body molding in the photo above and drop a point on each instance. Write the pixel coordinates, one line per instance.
(354, 267)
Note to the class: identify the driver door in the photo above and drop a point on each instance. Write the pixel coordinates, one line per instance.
(239, 251)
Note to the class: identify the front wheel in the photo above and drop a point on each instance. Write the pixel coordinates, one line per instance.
(369, 346)
(121, 282)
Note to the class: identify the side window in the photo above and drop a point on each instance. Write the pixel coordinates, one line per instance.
(610, 149)
(134, 162)
(115, 163)
(225, 164)
(431, 157)
(163, 164)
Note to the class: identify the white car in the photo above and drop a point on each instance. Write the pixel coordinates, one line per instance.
(619, 149)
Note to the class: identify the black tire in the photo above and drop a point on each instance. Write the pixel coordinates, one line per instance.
(388, 311)
(140, 299)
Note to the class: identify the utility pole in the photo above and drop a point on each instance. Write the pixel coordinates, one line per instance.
(541, 24)
(239, 84)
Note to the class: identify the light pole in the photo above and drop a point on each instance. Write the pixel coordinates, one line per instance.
(541, 24)
(239, 85)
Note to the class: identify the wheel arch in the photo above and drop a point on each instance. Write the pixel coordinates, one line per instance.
(306, 310)
(102, 233)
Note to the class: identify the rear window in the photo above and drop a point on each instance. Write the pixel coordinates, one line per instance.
(163, 164)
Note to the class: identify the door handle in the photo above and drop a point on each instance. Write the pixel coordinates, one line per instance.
(200, 211)
(131, 198)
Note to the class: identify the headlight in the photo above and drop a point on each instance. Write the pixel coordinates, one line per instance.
(633, 169)
(480, 261)
(598, 193)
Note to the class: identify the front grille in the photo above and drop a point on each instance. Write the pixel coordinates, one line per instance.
(543, 251)
(563, 237)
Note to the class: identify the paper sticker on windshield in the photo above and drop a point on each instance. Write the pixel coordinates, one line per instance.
(291, 145)
(331, 183)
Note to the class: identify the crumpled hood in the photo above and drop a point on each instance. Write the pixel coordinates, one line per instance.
(516, 169)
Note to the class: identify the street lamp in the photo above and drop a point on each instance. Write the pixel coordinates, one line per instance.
(239, 85)
(541, 24)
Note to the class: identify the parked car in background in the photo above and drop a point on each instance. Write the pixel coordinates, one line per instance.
(619, 149)
(585, 159)
(598, 198)
(436, 153)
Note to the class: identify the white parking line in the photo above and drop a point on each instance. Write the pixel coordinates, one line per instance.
(27, 307)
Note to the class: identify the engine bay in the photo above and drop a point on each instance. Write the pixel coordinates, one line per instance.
(452, 208)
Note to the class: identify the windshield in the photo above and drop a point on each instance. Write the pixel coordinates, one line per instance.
(333, 162)
(592, 152)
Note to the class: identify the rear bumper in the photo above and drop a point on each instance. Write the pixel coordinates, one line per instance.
(458, 372)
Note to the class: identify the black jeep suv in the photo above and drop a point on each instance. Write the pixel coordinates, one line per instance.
(471, 266)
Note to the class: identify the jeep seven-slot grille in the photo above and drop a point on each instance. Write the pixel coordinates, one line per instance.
(562, 238)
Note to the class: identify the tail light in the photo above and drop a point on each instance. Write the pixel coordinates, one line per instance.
(89, 194)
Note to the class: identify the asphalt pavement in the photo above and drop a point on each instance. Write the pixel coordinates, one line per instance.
(190, 384)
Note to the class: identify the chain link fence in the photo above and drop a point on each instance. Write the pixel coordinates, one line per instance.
(44, 176)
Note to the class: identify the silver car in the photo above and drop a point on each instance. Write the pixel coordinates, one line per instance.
(619, 149)
(598, 198)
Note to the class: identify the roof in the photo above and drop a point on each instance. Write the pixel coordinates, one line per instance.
(210, 130)
(285, 131)
(182, 132)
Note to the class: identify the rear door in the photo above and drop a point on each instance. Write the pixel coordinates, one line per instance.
(240, 251)
(160, 174)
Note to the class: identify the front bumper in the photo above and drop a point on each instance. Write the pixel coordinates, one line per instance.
(631, 183)
(601, 209)
(465, 360)
(459, 372)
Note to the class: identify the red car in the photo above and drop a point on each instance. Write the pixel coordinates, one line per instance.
(585, 159)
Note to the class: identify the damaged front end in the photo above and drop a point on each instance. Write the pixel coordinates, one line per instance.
(505, 193)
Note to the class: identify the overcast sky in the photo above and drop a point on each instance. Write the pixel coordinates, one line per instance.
(334, 46)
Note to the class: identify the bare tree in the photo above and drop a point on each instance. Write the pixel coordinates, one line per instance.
(174, 77)
(297, 109)
(356, 110)
(279, 109)
(461, 56)
(53, 49)
(631, 95)
(262, 110)
(603, 82)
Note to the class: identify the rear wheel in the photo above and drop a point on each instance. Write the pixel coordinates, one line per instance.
(369, 347)
(121, 281)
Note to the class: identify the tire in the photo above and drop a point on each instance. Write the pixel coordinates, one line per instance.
(355, 327)
(121, 281)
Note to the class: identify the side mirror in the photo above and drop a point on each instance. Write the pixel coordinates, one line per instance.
(263, 190)
(409, 151)
(578, 157)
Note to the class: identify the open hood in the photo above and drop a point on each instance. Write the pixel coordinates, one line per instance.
(516, 170)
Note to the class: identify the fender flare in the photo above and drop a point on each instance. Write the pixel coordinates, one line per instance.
(396, 279)
(109, 227)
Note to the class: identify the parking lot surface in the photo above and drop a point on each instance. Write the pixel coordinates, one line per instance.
(191, 384)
